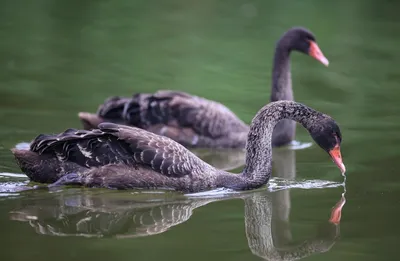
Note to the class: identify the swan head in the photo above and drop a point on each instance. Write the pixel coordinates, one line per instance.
(327, 135)
(302, 40)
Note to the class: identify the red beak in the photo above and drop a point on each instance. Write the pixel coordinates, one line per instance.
(317, 53)
(337, 158)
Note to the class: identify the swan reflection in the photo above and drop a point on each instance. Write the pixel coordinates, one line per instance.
(121, 215)
(105, 214)
(274, 244)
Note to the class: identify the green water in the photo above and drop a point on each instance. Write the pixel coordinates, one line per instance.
(62, 57)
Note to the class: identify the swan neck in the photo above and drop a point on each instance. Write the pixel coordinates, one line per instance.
(281, 74)
(259, 148)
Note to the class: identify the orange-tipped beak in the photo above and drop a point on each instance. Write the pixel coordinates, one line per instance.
(317, 53)
(337, 158)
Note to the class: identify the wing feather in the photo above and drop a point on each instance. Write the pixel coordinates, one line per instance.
(120, 144)
(175, 109)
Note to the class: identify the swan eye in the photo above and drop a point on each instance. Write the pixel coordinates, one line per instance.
(338, 136)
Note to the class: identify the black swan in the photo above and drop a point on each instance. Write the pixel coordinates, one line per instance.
(122, 157)
(196, 122)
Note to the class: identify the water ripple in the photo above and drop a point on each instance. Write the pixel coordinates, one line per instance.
(276, 184)
(298, 145)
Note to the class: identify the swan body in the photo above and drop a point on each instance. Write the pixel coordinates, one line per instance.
(197, 122)
(123, 157)
(189, 120)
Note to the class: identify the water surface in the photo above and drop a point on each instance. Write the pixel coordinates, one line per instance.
(59, 58)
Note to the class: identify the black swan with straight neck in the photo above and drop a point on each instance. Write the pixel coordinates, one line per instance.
(303, 41)
(122, 157)
(196, 122)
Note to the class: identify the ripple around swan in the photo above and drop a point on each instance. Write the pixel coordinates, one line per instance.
(298, 145)
(276, 184)
(215, 193)
(9, 188)
(6, 175)
(12, 183)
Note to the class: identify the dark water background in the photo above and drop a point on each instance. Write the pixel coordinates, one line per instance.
(61, 57)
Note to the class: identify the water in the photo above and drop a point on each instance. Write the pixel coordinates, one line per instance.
(59, 58)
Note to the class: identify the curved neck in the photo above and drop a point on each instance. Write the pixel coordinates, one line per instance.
(259, 222)
(259, 149)
(281, 76)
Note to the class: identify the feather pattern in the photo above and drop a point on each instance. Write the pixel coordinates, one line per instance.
(119, 144)
(191, 120)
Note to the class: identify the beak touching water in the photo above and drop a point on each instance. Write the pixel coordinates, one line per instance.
(317, 53)
(337, 158)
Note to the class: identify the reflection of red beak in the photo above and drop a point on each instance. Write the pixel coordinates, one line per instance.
(336, 213)
(337, 158)
(317, 53)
